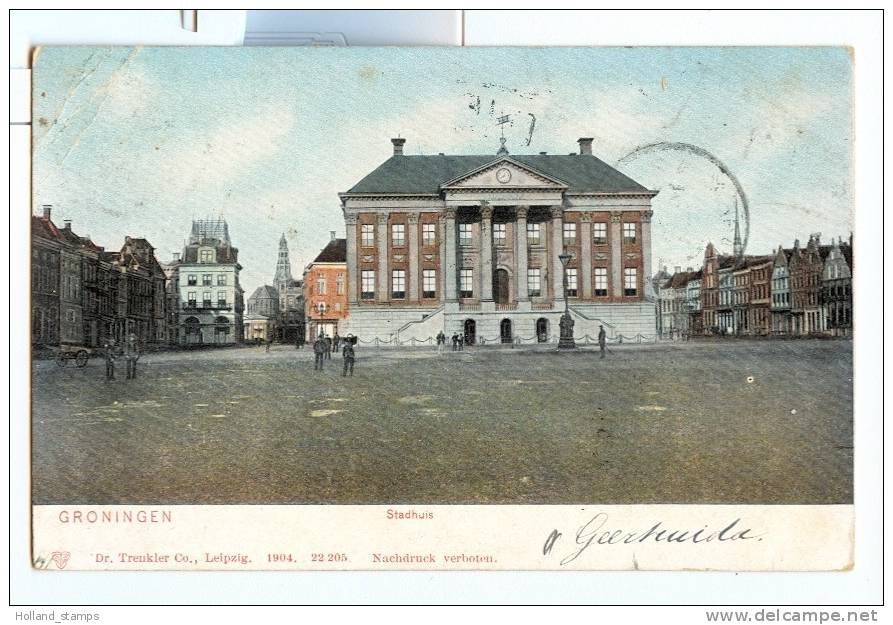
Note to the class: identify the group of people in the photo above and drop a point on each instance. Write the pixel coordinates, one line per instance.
(129, 352)
(457, 341)
(324, 346)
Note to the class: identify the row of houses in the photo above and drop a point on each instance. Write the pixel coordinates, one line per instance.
(794, 292)
(83, 294)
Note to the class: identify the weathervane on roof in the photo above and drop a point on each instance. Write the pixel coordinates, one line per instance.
(501, 121)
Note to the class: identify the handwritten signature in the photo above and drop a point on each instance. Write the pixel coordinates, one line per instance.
(595, 532)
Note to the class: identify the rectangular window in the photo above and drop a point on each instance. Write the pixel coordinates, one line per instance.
(398, 235)
(429, 234)
(499, 234)
(599, 233)
(533, 234)
(601, 281)
(206, 279)
(367, 286)
(339, 284)
(571, 273)
(221, 279)
(570, 233)
(367, 235)
(206, 299)
(629, 232)
(533, 283)
(206, 256)
(221, 299)
(320, 284)
(466, 283)
(190, 297)
(398, 284)
(429, 283)
(630, 281)
(464, 234)
(191, 279)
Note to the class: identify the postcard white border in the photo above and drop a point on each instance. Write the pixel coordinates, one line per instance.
(862, 585)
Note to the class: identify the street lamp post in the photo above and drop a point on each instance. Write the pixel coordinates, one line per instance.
(566, 338)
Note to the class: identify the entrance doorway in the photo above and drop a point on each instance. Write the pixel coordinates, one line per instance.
(470, 332)
(542, 330)
(501, 286)
(505, 330)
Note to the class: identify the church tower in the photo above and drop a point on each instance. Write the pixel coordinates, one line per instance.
(282, 280)
(737, 246)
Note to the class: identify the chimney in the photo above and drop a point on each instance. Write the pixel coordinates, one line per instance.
(176, 257)
(67, 224)
(398, 146)
(677, 269)
(332, 233)
(585, 145)
(47, 211)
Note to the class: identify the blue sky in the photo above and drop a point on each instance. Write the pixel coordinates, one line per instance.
(140, 141)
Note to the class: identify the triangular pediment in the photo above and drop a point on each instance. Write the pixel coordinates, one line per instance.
(504, 173)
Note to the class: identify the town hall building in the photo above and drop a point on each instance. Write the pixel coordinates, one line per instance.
(471, 244)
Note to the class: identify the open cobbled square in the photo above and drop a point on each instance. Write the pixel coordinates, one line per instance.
(699, 422)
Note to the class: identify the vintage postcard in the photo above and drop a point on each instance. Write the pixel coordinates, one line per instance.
(432, 308)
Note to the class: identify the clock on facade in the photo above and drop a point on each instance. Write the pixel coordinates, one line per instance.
(503, 175)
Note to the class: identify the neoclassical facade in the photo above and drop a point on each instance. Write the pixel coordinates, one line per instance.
(471, 245)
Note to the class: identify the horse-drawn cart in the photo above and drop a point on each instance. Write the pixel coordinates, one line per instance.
(71, 353)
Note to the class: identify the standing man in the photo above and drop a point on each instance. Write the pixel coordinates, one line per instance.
(349, 356)
(328, 346)
(111, 353)
(319, 347)
(336, 342)
(131, 355)
(441, 339)
(602, 340)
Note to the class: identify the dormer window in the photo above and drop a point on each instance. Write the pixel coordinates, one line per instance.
(206, 255)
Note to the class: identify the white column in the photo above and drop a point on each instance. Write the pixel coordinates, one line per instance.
(486, 251)
(449, 246)
(413, 274)
(646, 253)
(585, 264)
(353, 269)
(616, 262)
(382, 240)
(521, 254)
(557, 249)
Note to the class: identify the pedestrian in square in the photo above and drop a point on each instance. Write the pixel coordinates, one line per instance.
(441, 339)
(336, 342)
(328, 344)
(268, 344)
(602, 340)
(319, 348)
(111, 353)
(455, 341)
(131, 355)
(348, 354)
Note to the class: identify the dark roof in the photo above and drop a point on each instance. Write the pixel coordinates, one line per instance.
(426, 174)
(847, 252)
(264, 292)
(726, 262)
(225, 254)
(679, 280)
(43, 228)
(334, 252)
